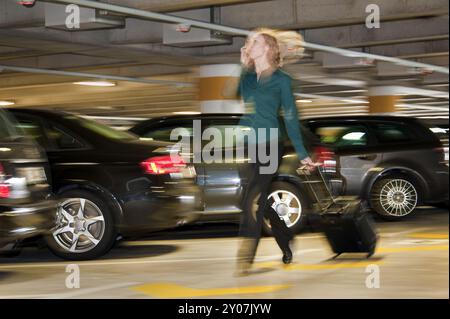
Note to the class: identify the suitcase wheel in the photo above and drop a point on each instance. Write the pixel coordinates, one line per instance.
(336, 256)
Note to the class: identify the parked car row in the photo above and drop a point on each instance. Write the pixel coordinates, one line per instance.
(393, 163)
(108, 184)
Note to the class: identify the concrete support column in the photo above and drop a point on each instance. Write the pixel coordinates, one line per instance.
(217, 88)
(382, 99)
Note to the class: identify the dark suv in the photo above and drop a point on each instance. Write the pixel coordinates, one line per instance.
(220, 182)
(440, 128)
(393, 162)
(25, 208)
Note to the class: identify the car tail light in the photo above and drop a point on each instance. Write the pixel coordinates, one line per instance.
(4, 188)
(165, 164)
(27, 3)
(443, 152)
(326, 157)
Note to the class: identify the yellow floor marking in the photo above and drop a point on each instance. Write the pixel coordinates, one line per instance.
(429, 236)
(324, 266)
(339, 264)
(414, 248)
(169, 290)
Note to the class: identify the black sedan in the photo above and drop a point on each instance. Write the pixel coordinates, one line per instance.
(25, 208)
(109, 183)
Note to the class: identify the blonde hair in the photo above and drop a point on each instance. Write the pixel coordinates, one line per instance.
(285, 46)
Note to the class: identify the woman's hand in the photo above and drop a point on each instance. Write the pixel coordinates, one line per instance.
(310, 165)
(245, 58)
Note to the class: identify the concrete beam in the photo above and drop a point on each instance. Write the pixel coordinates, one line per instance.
(59, 61)
(358, 35)
(137, 31)
(155, 53)
(304, 14)
(410, 49)
(23, 80)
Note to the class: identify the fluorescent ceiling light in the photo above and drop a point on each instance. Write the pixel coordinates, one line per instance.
(353, 136)
(304, 101)
(354, 101)
(119, 118)
(423, 107)
(95, 83)
(332, 98)
(186, 113)
(6, 103)
(404, 90)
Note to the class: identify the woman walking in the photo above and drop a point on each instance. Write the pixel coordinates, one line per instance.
(267, 88)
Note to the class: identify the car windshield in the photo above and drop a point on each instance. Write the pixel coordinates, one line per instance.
(102, 129)
(8, 126)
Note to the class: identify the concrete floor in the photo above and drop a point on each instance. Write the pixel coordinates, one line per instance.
(412, 261)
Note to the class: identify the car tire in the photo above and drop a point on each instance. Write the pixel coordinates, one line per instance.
(93, 227)
(394, 197)
(299, 203)
(443, 205)
(10, 253)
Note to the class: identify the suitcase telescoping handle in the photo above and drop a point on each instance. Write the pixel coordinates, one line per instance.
(304, 170)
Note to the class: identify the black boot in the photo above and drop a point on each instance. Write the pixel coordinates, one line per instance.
(287, 256)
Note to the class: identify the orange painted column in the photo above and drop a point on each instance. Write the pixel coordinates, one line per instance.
(383, 99)
(218, 88)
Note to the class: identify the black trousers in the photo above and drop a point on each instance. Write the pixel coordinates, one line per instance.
(251, 222)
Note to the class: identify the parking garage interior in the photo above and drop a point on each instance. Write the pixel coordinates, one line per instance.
(124, 62)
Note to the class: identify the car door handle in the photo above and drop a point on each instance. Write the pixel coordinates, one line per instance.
(368, 157)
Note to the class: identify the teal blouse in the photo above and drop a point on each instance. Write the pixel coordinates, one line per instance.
(268, 97)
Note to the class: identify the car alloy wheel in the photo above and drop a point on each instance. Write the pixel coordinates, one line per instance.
(80, 225)
(286, 204)
(398, 197)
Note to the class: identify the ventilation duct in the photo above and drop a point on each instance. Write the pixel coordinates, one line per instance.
(187, 36)
(62, 17)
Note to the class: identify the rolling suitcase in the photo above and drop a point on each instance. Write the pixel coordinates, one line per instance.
(347, 226)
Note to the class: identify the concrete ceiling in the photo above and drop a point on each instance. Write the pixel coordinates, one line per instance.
(413, 30)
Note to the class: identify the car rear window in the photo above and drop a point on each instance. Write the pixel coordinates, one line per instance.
(8, 127)
(237, 132)
(392, 133)
(339, 136)
(163, 133)
(101, 129)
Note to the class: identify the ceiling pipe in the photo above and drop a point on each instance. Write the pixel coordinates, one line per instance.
(395, 41)
(91, 75)
(147, 15)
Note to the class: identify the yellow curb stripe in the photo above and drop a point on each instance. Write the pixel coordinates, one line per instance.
(415, 248)
(168, 290)
(429, 236)
(324, 266)
(332, 266)
(343, 265)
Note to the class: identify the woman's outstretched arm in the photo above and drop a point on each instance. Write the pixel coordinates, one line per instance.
(291, 118)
